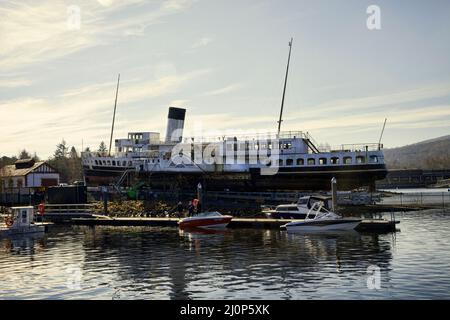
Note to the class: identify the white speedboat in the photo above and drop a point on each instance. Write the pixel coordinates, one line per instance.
(214, 220)
(297, 210)
(21, 221)
(323, 220)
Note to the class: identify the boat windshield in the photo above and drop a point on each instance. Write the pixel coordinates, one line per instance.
(320, 213)
(208, 214)
(303, 200)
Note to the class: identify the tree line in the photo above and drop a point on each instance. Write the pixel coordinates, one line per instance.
(66, 160)
(427, 155)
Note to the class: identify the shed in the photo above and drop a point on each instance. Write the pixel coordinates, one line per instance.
(28, 173)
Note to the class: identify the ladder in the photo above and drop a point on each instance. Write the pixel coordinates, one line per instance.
(122, 179)
(311, 143)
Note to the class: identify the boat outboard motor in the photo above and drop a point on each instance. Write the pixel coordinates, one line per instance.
(175, 125)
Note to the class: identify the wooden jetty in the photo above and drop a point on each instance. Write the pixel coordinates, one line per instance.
(375, 225)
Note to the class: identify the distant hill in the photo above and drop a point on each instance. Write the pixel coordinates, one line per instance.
(427, 155)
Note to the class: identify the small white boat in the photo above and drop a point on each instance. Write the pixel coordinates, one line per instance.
(297, 210)
(323, 220)
(21, 221)
(214, 220)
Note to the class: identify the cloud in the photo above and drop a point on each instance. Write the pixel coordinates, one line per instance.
(374, 118)
(179, 103)
(386, 100)
(37, 123)
(35, 32)
(203, 42)
(176, 4)
(349, 117)
(105, 3)
(223, 90)
(15, 83)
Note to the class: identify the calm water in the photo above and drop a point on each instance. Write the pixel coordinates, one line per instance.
(149, 263)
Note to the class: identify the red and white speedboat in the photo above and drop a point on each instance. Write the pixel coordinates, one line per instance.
(211, 220)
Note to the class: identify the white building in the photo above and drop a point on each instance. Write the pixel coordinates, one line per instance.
(27, 174)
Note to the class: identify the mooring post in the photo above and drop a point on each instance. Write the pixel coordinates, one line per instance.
(200, 194)
(334, 194)
(443, 201)
(105, 200)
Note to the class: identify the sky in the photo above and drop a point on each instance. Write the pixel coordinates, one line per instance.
(224, 61)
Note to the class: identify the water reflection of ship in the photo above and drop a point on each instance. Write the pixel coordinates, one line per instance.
(152, 259)
(165, 267)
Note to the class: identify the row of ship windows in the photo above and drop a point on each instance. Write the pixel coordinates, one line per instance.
(255, 146)
(322, 161)
(114, 163)
(229, 147)
(281, 162)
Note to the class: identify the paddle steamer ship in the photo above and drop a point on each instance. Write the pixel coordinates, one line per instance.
(276, 161)
(260, 162)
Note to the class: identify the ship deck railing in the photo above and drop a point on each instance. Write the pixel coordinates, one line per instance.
(354, 147)
(247, 137)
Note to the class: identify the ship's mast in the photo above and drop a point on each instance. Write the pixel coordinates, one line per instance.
(381, 135)
(114, 117)
(284, 89)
